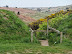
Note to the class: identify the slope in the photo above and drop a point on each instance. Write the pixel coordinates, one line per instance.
(24, 13)
(12, 29)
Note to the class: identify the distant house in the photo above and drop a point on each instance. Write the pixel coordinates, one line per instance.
(38, 9)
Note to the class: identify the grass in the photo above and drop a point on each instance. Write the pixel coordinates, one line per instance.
(12, 29)
(34, 48)
(39, 15)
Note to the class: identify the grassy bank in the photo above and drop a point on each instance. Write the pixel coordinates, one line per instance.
(33, 48)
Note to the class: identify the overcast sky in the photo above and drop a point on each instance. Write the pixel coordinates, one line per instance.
(35, 3)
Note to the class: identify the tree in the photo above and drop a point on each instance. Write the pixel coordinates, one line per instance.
(7, 6)
(15, 7)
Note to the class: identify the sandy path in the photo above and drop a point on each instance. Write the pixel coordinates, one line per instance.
(44, 42)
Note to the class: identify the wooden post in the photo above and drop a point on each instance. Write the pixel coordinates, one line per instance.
(61, 37)
(47, 27)
(31, 35)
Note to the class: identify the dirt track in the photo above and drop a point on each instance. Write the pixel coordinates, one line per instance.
(44, 42)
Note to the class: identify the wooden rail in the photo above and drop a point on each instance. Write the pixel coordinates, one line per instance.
(42, 30)
(54, 30)
(39, 30)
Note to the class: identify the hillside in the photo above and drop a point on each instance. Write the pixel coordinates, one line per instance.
(12, 29)
(26, 14)
(52, 9)
(23, 13)
(15, 37)
(32, 14)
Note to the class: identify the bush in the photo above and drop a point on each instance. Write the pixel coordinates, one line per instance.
(7, 6)
(41, 36)
(67, 42)
(54, 38)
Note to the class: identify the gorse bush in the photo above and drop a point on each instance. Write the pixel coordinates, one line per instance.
(62, 23)
(35, 25)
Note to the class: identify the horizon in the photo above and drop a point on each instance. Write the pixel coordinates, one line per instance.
(33, 3)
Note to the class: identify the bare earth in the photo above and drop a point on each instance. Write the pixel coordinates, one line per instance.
(44, 42)
(23, 13)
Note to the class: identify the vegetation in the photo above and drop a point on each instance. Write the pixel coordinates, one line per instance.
(12, 29)
(32, 48)
(39, 15)
(15, 35)
(60, 21)
(7, 6)
(35, 25)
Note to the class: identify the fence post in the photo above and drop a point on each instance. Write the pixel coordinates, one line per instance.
(31, 35)
(47, 27)
(61, 35)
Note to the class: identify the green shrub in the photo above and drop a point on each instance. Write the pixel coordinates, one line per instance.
(67, 42)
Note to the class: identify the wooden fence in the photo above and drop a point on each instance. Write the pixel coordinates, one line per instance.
(51, 30)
